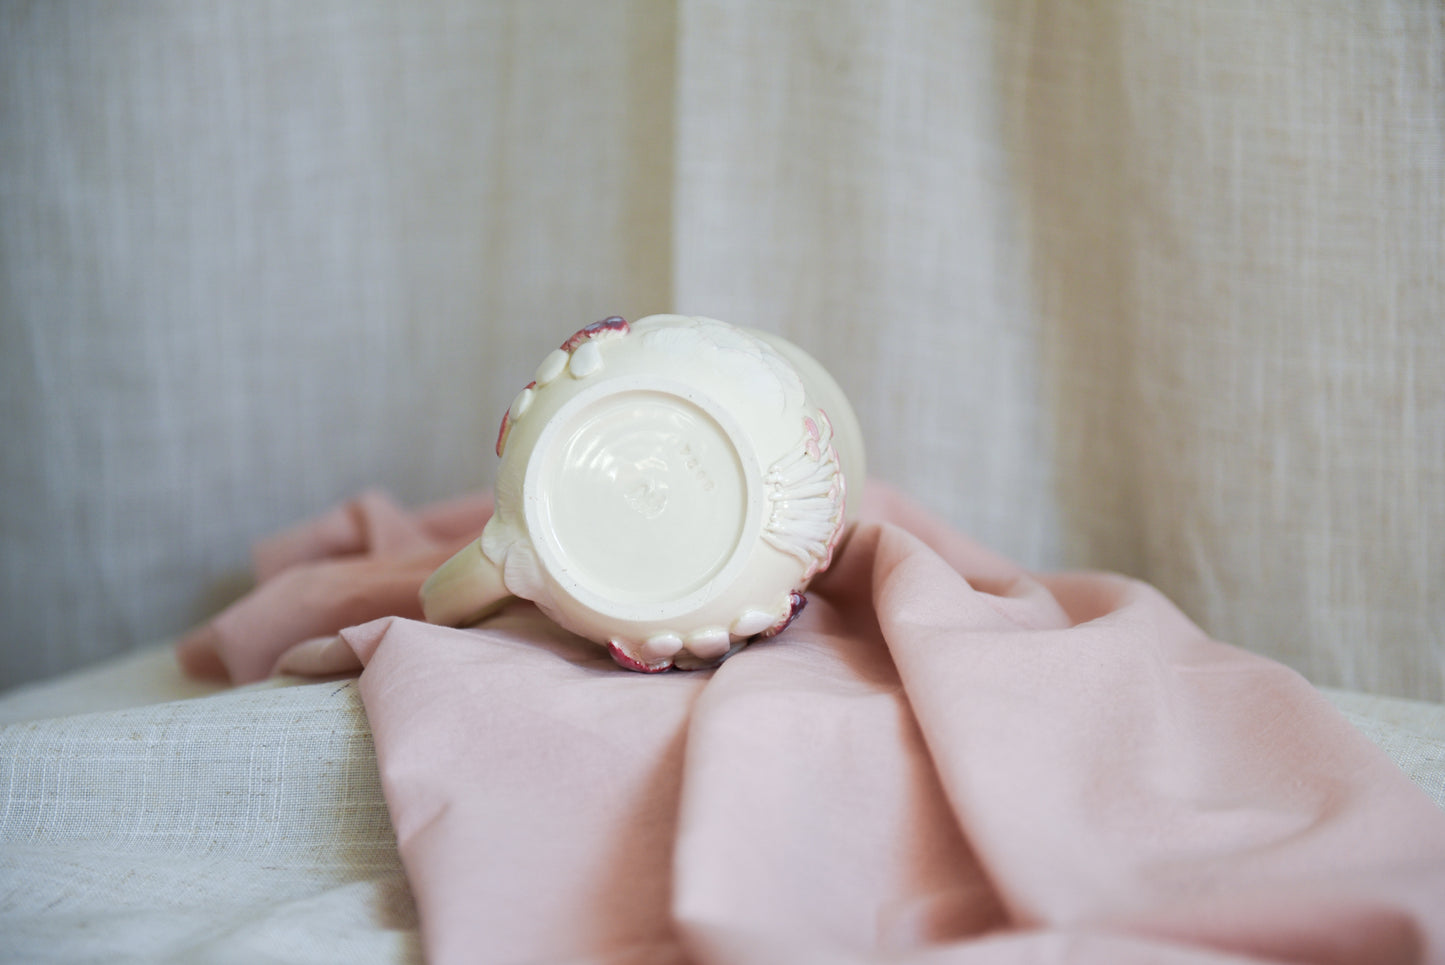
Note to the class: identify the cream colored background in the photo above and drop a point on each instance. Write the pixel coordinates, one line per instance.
(1153, 286)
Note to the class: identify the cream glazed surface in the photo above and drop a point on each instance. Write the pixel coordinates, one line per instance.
(668, 488)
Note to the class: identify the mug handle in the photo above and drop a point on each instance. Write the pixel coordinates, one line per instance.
(464, 589)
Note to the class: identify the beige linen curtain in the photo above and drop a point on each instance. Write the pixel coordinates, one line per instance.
(1150, 286)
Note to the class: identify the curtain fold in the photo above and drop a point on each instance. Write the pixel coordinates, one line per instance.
(1152, 287)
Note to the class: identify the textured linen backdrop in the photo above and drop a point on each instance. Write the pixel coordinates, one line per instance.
(1149, 286)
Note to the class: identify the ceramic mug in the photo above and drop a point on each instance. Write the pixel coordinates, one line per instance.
(667, 488)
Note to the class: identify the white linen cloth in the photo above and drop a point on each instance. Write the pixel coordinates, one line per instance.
(247, 826)
(1149, 285)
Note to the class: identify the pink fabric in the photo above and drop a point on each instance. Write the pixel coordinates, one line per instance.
(945, 759)
(362, 560)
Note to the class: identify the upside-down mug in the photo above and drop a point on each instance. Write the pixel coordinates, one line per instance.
(667, 489)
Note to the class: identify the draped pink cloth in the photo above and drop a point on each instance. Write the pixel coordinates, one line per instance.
(946, 759)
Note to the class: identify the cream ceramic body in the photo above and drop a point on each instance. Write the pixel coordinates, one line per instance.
(667, 488)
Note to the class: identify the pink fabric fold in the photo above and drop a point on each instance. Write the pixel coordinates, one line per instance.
(945, 759)
(362, 560)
